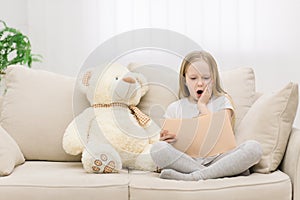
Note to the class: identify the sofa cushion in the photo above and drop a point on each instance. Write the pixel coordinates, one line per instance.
(148, 186)
(62, 181)
(270, 121)
(10, 153)
(240, 85)
(164, 88)
(36, 110)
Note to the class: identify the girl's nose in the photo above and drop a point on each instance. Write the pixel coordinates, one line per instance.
(200, 82)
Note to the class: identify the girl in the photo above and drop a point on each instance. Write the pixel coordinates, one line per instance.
(201, 93)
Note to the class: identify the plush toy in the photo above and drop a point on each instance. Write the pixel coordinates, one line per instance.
(112, 132)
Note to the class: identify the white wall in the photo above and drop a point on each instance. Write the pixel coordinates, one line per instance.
(8, 10)
(263, 34)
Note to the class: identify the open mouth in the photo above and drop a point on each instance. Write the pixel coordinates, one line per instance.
(199, 91)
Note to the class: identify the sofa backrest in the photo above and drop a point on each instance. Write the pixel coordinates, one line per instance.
(39, 105)
(163, 84)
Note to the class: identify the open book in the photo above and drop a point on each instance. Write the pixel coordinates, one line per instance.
(206, 135)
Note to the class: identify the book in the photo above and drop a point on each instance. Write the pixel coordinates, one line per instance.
(203, 136)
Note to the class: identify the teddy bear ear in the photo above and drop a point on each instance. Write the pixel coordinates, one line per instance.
(143, 82)
(132, 66)
(85, 79)
(140, 77)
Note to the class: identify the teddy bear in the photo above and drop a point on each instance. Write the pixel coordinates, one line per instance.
(112, 133)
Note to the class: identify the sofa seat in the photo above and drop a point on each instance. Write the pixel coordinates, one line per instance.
(275, 186)
(36, 180)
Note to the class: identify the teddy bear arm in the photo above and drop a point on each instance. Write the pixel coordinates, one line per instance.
(71, 143)
(144, 160)
(76, 133)
(153, 130)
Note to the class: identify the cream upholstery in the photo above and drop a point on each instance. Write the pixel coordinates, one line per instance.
(148, 186)
(269, 121)
(61, 180)
(240, 85)
(39, 132)
(10, 153)
(165, 84)
(40, 103)
(291, 162)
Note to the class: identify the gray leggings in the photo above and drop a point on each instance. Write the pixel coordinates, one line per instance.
(231, 163)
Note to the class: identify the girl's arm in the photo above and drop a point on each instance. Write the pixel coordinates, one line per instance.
(229, 112)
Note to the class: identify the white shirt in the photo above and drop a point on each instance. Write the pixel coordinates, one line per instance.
(183, 108)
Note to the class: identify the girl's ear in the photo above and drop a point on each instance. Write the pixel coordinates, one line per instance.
(183, 80)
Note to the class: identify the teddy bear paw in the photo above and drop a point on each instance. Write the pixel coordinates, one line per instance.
(101, 158)
(104, 164)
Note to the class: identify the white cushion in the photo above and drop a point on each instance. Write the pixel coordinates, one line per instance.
(270, 121)
(148, 186)
(36, 110)
(240, 85)
(163, 89)
(62, 180)
(10, 153)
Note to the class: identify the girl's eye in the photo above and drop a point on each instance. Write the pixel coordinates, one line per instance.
(193, 78)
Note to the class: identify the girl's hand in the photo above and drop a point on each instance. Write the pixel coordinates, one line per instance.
(167, 137)
(203, 100)
(206, 94)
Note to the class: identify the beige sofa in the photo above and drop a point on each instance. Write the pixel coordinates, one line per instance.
(39, 105)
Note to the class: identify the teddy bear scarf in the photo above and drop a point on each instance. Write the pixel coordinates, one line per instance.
(141, 117)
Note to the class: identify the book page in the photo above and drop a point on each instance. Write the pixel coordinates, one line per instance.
(206, 135)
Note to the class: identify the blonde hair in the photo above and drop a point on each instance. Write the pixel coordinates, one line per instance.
(195, 56)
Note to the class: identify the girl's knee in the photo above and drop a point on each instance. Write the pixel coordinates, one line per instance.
(157, 148)
(254, 149)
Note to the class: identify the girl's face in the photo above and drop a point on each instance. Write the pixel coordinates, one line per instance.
(197, 78)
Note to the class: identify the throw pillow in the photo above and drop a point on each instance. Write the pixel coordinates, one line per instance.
(269, 121)
(10, 153)
(36, 110)
(240, 85)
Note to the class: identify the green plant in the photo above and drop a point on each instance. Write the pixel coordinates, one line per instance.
(15, 48)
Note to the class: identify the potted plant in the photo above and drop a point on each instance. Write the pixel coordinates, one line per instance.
(15, 48)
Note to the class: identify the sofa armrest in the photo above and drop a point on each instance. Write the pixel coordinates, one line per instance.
(291, 162)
